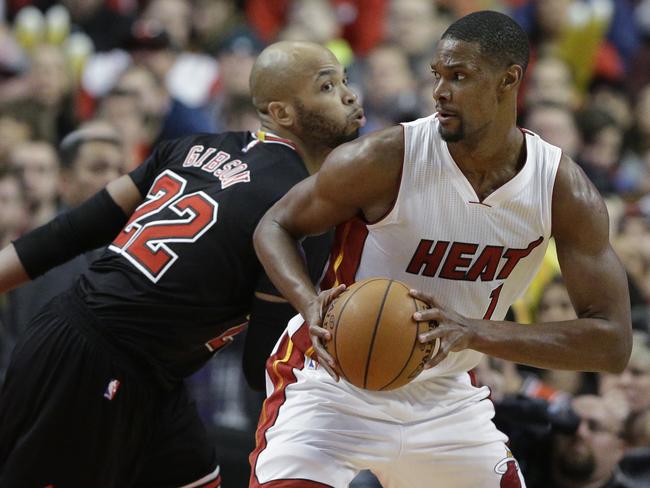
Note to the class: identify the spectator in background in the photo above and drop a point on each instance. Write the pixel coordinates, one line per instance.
(213, 21)
(235, 56)
(327, 31)
(640, 70)
(106, 25)
(634, 381)
(612, 98)
(38, 166)
(589, 458)
(632, 244)
(637, 431)
(300, 23)
(415, 26)
(602, 141)
(585, 34)
(362, 21)
(389, 88)
(240, 115)
(636, 462)
(90, 157)
(550, 81)
(13, 63)
(555, 123)
(122, 110)
(635, 167)
(153, 103)
(160, 40)
(175, 17)
(48, 99)
(144, 113)
(15, 129)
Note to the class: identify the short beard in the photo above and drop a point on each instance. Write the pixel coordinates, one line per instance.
(320, 129)
(576, 470)
(459, 135)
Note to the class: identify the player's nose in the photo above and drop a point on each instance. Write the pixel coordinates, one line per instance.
(441, 91)
(349, 96)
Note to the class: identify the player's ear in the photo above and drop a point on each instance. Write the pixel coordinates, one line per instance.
(511, 78)
(282, 113)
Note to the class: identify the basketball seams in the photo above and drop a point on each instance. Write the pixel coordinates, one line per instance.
(408, 359)
(361, 331)
(374, 332)
(338, 319)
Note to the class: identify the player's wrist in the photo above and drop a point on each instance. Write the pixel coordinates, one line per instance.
(310, 308)
(476, 333)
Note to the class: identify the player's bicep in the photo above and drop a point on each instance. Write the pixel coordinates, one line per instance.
(593, 274)
(311, 208)
(355, 177)
(596, 283)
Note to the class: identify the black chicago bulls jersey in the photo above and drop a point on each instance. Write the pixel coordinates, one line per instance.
(182, 273)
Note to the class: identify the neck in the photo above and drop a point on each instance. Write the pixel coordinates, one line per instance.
(493, 148)
(312, 155)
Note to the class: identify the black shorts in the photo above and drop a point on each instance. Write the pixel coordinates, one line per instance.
(75, 412)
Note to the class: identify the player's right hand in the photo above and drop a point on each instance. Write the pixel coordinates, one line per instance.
(317, 333)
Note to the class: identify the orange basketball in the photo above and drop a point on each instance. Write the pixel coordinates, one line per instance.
(374, 337)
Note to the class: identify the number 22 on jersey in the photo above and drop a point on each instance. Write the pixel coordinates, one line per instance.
(146, 237)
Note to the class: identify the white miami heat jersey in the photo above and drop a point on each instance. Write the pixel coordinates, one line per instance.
(475, 257)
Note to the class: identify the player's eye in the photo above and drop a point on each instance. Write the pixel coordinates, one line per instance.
(459, 76)
(346, 81)
(329, 86)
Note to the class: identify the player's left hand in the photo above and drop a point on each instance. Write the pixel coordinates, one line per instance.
(454, 331)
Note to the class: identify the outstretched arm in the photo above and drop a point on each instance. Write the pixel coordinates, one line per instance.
(600, 338)
(94, 223)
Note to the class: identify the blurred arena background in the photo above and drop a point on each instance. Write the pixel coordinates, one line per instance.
(141, 71)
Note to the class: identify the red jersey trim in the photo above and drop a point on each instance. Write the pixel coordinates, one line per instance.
(279, 367)
(269, 137)
(345, 257)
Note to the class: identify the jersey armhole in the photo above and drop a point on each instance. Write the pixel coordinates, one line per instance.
(553, 177)
(400, 183)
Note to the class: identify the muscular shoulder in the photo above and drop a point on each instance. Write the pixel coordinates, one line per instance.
(366, 170)
(579, 212)
(382, 148)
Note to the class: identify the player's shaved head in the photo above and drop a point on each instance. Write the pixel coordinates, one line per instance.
(282, 69)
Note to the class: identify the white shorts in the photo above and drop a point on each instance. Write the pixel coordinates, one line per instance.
(315, 432)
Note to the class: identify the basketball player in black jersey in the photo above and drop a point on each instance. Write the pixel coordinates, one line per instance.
(94, 394)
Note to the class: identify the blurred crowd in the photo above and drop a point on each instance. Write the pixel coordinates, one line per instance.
(88, 87)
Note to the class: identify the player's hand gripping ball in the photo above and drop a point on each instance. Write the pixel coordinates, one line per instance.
(374, 337)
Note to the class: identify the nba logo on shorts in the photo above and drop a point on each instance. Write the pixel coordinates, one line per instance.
(111, 389)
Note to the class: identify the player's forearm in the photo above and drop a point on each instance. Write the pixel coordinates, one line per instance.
(283, 262)
(12, 271)
(586, 344)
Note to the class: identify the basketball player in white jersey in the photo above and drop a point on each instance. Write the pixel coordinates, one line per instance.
(461, 206)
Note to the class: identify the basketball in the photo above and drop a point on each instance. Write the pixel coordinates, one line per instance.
(374, 337)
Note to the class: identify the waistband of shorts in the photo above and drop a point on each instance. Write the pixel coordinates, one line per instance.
(71, 306)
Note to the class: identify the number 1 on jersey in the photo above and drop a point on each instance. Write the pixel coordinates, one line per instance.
(494, 298)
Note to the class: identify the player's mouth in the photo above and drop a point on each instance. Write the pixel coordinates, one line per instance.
(445, 115)
(359, 117)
